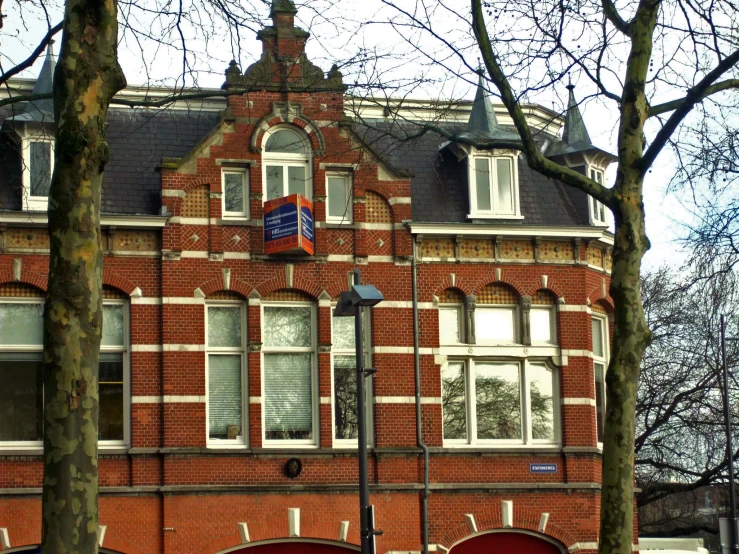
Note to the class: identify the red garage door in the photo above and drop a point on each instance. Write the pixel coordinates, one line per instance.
(505, 543)
(295, 547)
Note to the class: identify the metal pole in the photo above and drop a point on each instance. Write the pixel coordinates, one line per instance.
(729, 446)
(366, 539)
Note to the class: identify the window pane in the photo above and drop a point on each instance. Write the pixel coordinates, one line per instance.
(224, 397)
(600, 400)
(40, 169)
(296, 180)
(598, 338)
(345, 396)
(338, 197)
(110, 421)
(274, 182)
(541, 325)
(343, 333)
(542, 402)
(505, 185)
(482, 183)
(495, 324)
(602, 212)
(224, 326)
(288, 399)
(112, 325)
(453, 402)
(449, 325)
(233, 192)
(21, 398)
(285, 141)
(287, 327)
(498, 397)
(21, 324)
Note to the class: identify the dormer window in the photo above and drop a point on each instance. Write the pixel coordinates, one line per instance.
(595, 207)
(286, 160)
(493, 184)
(38, 166)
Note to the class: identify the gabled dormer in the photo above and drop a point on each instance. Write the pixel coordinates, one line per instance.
(34, 134)
(576, 151)
(492, 165)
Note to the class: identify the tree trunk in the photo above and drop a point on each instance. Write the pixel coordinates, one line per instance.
(86, 78)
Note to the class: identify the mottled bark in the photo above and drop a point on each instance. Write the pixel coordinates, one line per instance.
(86, 78)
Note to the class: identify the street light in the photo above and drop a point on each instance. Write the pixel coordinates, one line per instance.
(352, 303)
(728, 527)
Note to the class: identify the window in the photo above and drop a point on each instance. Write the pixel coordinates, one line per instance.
(493, 186)
(345, 380)
(38, 167)
(235, 194)
(597, 209)
(498, 403)
(225, 360)
(21, 366)
(497, 325)
(543, 318)
(289, 374)
(286, 161)
(600, 363)
(339, 198)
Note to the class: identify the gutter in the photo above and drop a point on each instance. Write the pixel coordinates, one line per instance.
(419, 427)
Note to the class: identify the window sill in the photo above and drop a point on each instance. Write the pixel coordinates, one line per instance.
(503, 449)
(493, 216)
(338, 223)
(39, 450)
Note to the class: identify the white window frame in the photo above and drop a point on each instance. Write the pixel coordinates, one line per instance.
(227, 350)
(459, 308)
(348, 216)
(602, 320)
(313, 351)
(368, 383)
(524, 365)
(286, 159)
(494, 212)
(597, 212)
(125, 350)
(516, 324)
(34, 203)
(244, 214)
(552, 323)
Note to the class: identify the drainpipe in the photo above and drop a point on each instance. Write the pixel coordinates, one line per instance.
(419, 430)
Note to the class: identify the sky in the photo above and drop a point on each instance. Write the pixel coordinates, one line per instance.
(347, 30)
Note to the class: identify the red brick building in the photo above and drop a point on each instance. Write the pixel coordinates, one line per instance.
(221, 361)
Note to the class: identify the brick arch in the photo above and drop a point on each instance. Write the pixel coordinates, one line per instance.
(28, 277)
(596, 296)
(298, 122)
(194, 183)
(548, 290)
(510, 539)
(116, 281)
(279, 282)
(117, 544)
(515, 287)
(312, 543)
(460, 283)
(493, 280)
(337, 287)
(214, 285)
(606, 304)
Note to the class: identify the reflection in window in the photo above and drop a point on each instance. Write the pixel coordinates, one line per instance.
(339, 198)
(288, 373)
(492, 186)
(286, 160)
(40, 168)
(600, 363)
(498, 402)
(235, 197)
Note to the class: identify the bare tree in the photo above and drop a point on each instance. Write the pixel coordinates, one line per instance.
(634, 55)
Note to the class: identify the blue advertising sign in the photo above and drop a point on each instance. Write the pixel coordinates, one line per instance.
(542, 468)
(284, 230)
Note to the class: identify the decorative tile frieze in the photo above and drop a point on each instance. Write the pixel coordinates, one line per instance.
(517, 250)
(556, 250)
(477, 248)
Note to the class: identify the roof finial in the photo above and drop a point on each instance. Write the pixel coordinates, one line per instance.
(480, 67)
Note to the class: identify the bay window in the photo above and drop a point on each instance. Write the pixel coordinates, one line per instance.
(495, 402)
(344, 377)
(225, 358)
(21, 373)
(286, 160)
(289, 374)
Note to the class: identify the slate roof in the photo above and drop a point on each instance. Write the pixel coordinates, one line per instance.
(439, 184)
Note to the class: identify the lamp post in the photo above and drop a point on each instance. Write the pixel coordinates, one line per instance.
(352, 303)
(732, 533)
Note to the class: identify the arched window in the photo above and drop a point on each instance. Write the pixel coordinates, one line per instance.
(286, 159)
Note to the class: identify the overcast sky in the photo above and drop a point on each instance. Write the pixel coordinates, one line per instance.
(344, 30)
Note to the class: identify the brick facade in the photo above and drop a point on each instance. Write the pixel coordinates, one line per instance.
(169, 491)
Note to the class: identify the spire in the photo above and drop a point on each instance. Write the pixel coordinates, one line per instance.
(483, 124)
(41, 110)
(575, 133)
